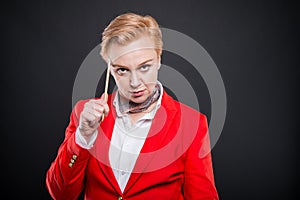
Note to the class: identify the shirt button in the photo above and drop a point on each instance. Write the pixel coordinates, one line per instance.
(122, 172)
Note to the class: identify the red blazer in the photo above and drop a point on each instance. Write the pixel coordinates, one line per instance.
(175, 162)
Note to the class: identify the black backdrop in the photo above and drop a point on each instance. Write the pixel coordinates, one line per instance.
(255, 45)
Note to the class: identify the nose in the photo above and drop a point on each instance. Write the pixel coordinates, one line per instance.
(134, 80)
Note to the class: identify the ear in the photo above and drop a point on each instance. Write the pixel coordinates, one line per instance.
(159, 62)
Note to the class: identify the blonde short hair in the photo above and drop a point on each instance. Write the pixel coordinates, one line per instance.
(126, 28)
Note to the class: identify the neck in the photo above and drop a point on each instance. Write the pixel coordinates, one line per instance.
(134, 117)
(132, 107)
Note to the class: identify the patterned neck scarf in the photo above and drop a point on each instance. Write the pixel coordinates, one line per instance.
(133, 107)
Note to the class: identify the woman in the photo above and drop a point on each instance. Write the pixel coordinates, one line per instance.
(148, 144)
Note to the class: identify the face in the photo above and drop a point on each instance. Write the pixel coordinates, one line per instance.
(135, 68)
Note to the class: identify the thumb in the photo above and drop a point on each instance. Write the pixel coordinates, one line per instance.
(104, 97)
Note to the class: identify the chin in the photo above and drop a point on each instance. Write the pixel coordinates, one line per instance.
(140, 99)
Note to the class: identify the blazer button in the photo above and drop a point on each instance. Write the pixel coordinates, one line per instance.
(74, 157)
(120, 198)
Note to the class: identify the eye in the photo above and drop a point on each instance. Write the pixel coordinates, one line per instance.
(145, 68)
(121, 71)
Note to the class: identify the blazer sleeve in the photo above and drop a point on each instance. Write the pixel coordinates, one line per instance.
(199, 178)
(65, 177)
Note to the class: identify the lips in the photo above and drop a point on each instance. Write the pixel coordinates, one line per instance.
(138, 93)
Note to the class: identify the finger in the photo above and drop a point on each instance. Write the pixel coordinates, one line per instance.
(100, 102)
(106, 109)
(97, 109)
(94, 124)
(91, 120)
(95, 105)
(104, 97)
(97, 112)
(88, 117)
(92, 103)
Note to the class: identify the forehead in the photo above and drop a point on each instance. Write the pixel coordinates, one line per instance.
(141, 47)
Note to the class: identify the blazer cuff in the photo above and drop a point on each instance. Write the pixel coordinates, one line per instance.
(80, 140)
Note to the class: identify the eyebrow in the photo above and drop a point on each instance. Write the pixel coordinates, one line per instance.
(117, 65)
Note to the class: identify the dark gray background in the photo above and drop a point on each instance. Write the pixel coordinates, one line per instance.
(255, 45)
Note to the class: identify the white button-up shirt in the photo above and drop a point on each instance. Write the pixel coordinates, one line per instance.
(126, 142)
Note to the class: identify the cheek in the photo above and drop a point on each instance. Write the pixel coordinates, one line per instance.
(121, 82)
(150, 78)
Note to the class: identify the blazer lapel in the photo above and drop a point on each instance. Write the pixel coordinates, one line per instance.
(100, 149)
(157, 134)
